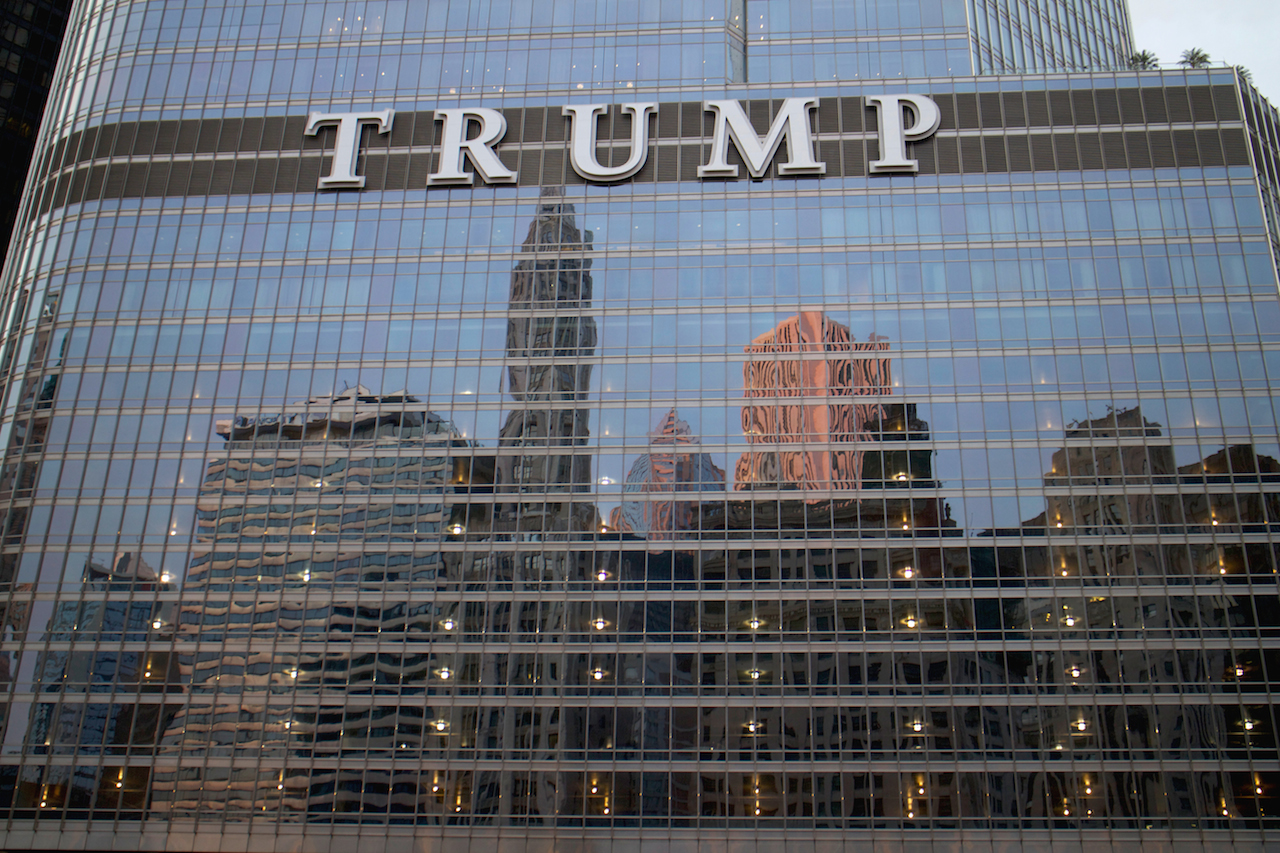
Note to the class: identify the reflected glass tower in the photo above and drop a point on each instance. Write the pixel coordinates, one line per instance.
(849, 425)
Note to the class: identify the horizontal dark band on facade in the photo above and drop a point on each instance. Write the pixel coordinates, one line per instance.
(399, 171)
(960, 111)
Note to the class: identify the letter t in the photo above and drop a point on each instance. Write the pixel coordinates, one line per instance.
(342, 174)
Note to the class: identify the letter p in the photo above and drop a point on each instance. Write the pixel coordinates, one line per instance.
(894, 133)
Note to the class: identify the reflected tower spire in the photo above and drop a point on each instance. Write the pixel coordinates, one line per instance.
(549, 340)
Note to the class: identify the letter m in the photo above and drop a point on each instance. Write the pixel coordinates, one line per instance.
(791, 124)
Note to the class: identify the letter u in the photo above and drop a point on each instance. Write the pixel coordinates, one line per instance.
(582, 140)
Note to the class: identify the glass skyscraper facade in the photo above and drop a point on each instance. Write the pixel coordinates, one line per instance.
(809, 507)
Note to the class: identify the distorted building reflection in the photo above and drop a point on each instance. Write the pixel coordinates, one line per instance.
(542, 465)
(811, 427)
(78, 678)
(802, 379)
(672, 465)
(1089, 493)
(550, 337)
(344, 492)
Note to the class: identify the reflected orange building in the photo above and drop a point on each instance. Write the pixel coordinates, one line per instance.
(800, 378)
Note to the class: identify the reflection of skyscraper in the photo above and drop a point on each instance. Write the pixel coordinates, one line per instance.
(813, 358)
(303, 513)
(1086, 494)
(548, 341)
(100, 727)
(671, 465)
(541, 462)
(1084, 464)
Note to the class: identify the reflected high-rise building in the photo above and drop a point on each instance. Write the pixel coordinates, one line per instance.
(811, 357)
(551, 338)
(672, 465)
(99, 727)
(304, 510)
(1089, 489)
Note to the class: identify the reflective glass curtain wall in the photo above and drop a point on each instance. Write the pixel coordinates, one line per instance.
(1018, 36)
(793, 511)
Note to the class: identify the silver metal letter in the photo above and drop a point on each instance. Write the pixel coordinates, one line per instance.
(791, 123)
(342, 174)
(454, 145)
(582, 140)
(894, 134)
